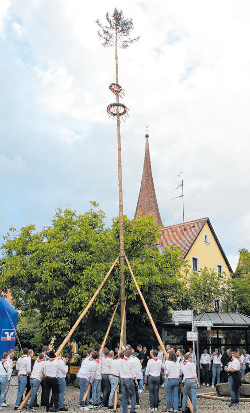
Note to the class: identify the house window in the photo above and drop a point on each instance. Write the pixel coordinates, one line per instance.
(195, 264)
(220, 270)
(206, 238)
(217, 304)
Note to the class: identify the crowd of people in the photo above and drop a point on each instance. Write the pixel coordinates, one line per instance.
(130, 369)
(227, 367)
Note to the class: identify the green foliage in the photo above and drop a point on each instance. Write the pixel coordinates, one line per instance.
(29, 333)
(118, 29)
(241, 283)
(202, 288)
(57, 270)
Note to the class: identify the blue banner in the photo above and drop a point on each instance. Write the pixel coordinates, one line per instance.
(8, 323)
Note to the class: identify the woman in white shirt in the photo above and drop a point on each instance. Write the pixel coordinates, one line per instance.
(172, 374)
(234, 379)
(217, 366)
(205, 364)
(152, 376)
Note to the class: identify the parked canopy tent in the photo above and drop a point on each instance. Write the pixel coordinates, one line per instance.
(8, 323)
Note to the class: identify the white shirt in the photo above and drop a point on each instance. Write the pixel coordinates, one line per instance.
(51, 368)
(217, 360)
(23, 365)
(37, 370)
(5, 369)
(114, 370)
(97, 368)
(87, 369)
(154, 367)
(62, 368)
(137, 367)
(173, 370)
(189, 370)
(160, 355)
(234, 364)
(106, 365)
(205, 359)
(126, 368)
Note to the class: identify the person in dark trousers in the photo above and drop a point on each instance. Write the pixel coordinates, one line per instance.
(51, 369)
(226, 359)
(45, 350)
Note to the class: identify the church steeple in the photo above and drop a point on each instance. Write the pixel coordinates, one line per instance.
(147, 202)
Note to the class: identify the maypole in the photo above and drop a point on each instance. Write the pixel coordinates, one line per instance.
(117, 34)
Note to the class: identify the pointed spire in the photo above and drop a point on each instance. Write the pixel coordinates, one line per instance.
(147, 202)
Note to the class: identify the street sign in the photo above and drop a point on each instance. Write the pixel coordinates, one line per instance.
(192, 336)
(203, 323)
(182, 315)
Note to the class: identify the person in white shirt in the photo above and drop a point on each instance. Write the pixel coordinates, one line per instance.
(172, 374)
(205, 365)
(217, 366)
(51, 369)
(191, 383)
(96, 385)
(152, 377)
(85, 375)
(23, 366)
(35, 380)
(128, 376)
(11, 354)
(61, 378)
(139, 377)
(5, 374)
(106, 362)
(234, 379)
(113, 379)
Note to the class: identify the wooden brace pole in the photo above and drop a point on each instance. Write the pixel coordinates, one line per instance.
(152, 322)
(101, 349)
(75, 325)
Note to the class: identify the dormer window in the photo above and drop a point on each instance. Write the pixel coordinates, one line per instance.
(206, 238)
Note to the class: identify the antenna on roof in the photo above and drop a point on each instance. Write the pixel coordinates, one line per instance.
(182, 193)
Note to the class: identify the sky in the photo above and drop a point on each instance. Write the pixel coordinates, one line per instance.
(187, 79)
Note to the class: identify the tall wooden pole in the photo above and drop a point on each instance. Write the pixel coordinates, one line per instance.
(122, 253)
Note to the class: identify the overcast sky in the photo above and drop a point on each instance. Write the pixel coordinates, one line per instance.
(188, 78)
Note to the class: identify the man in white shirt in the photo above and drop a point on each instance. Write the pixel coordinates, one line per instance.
(35, 380)
(11, 353)
(190, 382)
(23, 366)
(106, 362)
(205, 364)
(61, 378)
(128, 376)
(5, 373)
(85, 375)
(51, 369)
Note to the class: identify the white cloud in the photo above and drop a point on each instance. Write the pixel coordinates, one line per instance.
(187, 77)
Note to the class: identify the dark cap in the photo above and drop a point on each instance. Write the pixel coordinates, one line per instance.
(139, 345)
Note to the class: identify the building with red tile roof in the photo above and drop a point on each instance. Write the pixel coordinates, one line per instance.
(196, 239)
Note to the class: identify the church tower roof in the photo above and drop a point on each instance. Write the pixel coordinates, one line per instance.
(147, 202)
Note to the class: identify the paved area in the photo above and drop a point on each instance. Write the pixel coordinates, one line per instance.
(206, 403)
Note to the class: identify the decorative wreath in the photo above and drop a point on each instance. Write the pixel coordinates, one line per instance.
(115, 88)
(114, 108)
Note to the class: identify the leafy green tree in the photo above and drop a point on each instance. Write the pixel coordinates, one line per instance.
(29, 332)
(241, 282)
(243, 267)
(57, 270)
(203, 288)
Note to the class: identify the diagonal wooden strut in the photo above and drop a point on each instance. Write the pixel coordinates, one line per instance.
(152, 322)
(75, 325)
(102, 347)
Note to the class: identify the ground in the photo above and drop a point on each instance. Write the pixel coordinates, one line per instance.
(204, 405)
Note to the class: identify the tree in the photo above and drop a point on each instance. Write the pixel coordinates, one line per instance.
(206, 291)
(57, 270)
(241, 284)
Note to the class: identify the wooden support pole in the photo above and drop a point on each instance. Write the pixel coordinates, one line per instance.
(75, 325)
(102, 347)
(152, 322)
